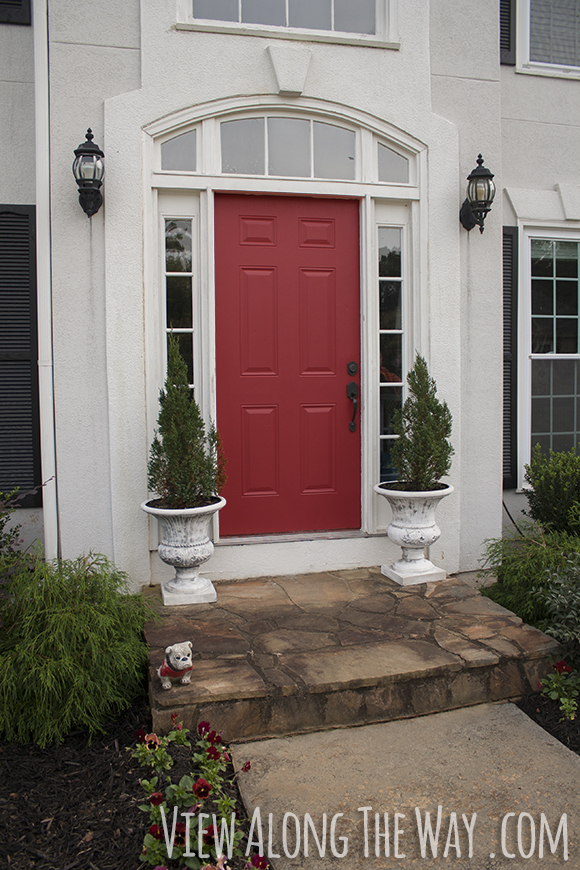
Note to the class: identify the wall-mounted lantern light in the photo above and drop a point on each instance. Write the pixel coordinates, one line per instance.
(480, 194)
(88, 169)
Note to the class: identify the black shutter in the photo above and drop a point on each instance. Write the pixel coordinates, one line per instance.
(15, 11)
(507, 32)
(19, 420)
(510, 319)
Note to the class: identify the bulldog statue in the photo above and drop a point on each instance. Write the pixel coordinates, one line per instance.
(177, 664)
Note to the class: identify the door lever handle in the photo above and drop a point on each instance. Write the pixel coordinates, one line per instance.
(352, 394)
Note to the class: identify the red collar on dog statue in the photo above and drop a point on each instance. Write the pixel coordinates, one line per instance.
(167, 671)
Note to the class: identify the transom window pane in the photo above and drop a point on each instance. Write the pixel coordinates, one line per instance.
(555, 31)
(346, 16)
(178, 286)
(289, 147)
(179, 153)
(392, 166)
(333, 151)
(243, 146)
(390, 342)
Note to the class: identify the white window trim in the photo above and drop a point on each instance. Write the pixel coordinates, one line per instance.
(387, 35)
(525, 356)
(531, 67)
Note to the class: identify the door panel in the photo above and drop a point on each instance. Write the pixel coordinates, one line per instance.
(287, 325)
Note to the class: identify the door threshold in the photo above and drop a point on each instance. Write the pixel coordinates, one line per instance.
(288, 538)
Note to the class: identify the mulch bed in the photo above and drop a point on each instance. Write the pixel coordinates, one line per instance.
(75, 805)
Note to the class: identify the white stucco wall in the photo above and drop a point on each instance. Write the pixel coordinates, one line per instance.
(129, 67)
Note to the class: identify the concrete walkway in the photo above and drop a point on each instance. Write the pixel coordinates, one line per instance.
(479, 764)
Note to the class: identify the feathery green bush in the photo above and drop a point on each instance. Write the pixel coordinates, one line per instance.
(422, 452)
(72, 651)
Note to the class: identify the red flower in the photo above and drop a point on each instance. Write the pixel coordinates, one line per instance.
(209, 835)
(214, 738)
(562, 667)
(151, 740)
(156, 798)
(201, 788)
(140, 735)
(260, 862)
(179, 839)
(203, 728)
(156, 832)
(246, 766)
(179, 726)
(212, 753)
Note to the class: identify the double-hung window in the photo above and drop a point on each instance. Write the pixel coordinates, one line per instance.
(547, 35)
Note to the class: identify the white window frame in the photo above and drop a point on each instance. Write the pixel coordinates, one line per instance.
(525, 338)
(530, 67)
(386, 36)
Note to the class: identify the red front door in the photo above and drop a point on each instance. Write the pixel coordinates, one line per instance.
(287, 327)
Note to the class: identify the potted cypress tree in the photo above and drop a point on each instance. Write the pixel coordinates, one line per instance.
(186, 471)
(422, 455)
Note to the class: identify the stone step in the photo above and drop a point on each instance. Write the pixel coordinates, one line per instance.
(287, 655)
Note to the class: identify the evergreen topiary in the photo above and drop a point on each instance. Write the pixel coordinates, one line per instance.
(554, 497)
(186, 466)
(422, 452)
(72, 650)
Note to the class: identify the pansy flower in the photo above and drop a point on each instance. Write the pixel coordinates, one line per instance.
(201, 788)
(259, 861)
(156, 798)
(212, 753)
(179, 839)
(562, 667)
(246, 766)
(151, 741)
(209, 835)
(156, 832)
(140, 735)
(203, 728)
(178, 726)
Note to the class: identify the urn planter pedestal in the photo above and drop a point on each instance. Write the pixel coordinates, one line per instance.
(185, 544)
(413, 527)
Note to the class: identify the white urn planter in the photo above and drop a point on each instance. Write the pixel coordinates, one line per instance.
(413, 527)
(185, 544)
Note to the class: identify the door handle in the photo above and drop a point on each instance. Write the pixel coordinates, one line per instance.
(352, 394)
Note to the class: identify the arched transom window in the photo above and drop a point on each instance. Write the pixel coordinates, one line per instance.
(287, 146)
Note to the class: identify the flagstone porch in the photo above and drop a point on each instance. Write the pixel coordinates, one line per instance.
(287, 655)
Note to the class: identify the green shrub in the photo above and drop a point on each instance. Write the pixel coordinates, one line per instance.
(71, 646)
(8, 536)
(422, 452)
(554, 499)
(523, 564)
(561, 600)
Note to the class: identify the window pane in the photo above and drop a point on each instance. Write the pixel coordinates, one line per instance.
(185, 341)
(563, 414)
(542, 297)
(566, 335)
(391, 370)
(563, 376)
(288, 147)
(542, 335)
(264, 11)
(541, 374)
(354, 17)
(567, 297)
(333, 151)
(554, 31)
(555, 404)
(567, 259)
(389, 252)
(243, 146)
(390, 402)
(388, 470)
(392, 166)
(542, 258)
(216, 10)
(179, 152)
(540, 415)
(315, 14)
(178, 245)
(390, 304)
(179, 302)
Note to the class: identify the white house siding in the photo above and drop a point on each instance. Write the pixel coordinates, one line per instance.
(119, 68)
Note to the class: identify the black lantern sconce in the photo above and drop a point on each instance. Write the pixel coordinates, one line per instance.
(480, 194)
(88, 169)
